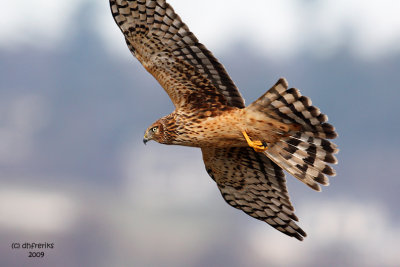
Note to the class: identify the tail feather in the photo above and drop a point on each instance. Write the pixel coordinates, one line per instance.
(324, 144)
(311, 159)
(326, 154)
(303, 169)
(294, 168)
(305, 153)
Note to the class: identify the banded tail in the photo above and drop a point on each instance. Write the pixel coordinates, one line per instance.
(304, 153)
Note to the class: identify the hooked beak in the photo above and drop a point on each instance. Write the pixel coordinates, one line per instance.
(145, 139)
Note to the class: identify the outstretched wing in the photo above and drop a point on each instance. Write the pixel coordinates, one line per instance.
(251, 182)
(158, 38)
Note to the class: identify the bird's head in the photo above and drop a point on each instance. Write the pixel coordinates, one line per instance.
(154, 132)
(162, 131)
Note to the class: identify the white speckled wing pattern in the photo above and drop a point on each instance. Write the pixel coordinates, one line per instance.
(253, 183)
(166, 47)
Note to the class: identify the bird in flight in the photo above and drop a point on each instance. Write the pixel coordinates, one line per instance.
(245, 149)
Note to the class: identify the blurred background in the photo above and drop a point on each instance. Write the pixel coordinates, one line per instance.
(74, 105)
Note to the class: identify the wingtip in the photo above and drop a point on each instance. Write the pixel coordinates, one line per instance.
(300, 234)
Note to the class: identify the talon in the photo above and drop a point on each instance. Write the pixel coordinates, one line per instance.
(257, 145)
(264, 143)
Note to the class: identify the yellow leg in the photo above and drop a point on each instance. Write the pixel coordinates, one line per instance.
(257, 145)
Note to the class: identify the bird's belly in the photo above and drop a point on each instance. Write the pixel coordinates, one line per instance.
(220, 131)
(218, 140)
(227, 130)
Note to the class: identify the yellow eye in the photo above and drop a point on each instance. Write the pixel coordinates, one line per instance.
(154, 129)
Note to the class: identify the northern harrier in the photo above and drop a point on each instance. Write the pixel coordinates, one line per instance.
(244, 148)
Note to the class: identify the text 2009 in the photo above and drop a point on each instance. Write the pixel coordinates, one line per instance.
(36, 254)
